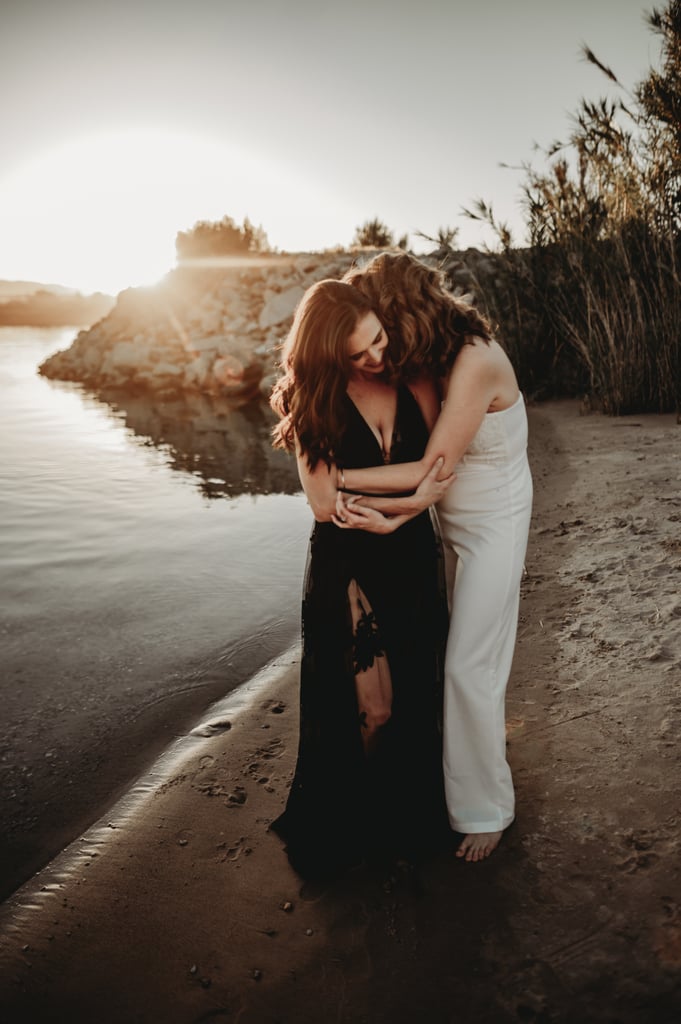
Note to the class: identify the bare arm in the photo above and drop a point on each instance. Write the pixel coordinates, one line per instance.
(428, 492)
(326, 502)
(359, 513)
(472, 387)
(319, 485)
(320, 491)
(368, 519)
(387, 506)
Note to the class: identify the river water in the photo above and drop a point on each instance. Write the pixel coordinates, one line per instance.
(151, 559)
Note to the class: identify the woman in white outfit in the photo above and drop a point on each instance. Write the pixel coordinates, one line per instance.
(481, 436)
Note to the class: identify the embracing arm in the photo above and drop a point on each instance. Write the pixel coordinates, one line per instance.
(473, 385)
(319, 485)
(320, 491)
(383, 515)
(324, 500)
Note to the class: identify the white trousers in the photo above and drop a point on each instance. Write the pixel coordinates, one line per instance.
(485, 518)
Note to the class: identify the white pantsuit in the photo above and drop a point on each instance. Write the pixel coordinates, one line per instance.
(485, 518)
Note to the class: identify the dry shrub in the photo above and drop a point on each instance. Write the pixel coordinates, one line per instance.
(593, 303)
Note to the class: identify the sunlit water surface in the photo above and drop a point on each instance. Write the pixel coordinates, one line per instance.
(128, 584)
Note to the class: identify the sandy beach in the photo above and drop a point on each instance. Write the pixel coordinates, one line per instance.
(180, 906)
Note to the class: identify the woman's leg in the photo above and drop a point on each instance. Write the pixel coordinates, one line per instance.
(478, 783)
(373, 684)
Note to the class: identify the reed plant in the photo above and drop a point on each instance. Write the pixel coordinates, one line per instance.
(592, 304)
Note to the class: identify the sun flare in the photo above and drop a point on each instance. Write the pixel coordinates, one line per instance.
(101, 213)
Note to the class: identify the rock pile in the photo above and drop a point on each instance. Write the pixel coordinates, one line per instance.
(207, 328)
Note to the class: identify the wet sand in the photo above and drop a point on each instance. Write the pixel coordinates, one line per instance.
(179, 906)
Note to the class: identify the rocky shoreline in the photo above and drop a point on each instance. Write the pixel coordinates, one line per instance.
(206, 328)
(214, 327)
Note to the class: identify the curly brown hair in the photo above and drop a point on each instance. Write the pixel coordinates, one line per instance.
(309, 396)
(426, 325)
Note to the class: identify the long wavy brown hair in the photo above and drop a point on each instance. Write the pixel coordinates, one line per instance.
(426, 325)
(309, 396)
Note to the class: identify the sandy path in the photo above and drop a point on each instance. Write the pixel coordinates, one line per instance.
(174, 909)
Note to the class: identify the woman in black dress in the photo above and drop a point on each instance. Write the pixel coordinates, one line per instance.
(368, 780)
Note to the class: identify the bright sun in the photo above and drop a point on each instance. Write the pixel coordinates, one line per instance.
(101, 213)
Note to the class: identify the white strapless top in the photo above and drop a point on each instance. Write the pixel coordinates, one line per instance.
(501, 438)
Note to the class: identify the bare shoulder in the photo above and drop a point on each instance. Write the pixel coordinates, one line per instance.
(477, 358)
(479, 350)
(484, 366)
(507, 382)
(498, 352)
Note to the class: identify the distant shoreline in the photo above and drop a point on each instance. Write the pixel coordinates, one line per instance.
(41, 306)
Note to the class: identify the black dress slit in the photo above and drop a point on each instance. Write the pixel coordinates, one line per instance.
(368, 779)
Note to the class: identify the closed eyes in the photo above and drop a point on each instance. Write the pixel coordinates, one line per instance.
(358, 355)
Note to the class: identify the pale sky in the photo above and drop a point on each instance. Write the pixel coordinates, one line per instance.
(124, 122)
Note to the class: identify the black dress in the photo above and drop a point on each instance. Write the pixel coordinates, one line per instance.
(347, 803)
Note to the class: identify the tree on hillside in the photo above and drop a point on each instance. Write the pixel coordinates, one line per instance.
(373, 233)
(220, 238)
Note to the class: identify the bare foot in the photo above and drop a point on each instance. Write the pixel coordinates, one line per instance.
(478, 845)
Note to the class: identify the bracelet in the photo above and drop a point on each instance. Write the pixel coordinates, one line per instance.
(342, 478)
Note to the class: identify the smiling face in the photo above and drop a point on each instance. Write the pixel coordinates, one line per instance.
(366, 347)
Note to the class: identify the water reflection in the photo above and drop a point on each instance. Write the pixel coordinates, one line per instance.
(228, 449)
(128, 602)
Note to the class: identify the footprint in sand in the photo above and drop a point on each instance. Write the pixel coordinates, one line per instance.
(638, 862)
(275, 707)
(217, 782)
(238, 797)
(235, 851)
(212, 728)
(642, 843)
(275, 748)
(254, 771)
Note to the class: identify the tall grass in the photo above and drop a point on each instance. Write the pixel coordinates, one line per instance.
(598, 317)
(593, 303)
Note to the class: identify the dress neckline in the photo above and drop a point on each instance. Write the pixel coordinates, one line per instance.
(394, 434)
